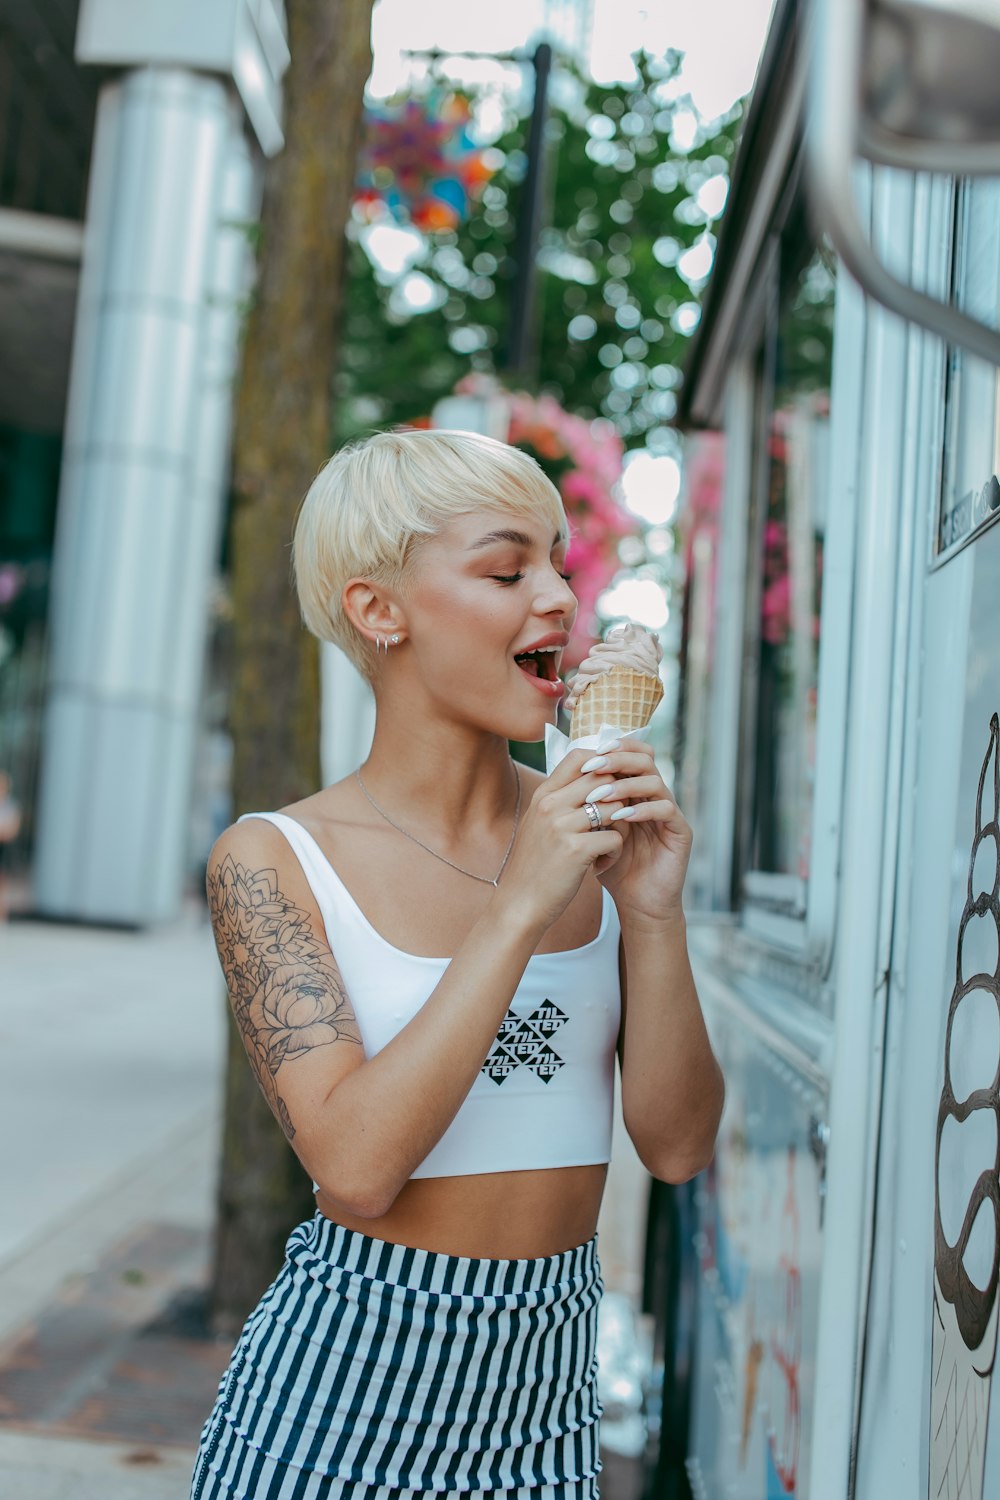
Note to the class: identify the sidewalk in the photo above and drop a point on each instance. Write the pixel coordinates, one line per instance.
(111, 1071)
(110, 1097)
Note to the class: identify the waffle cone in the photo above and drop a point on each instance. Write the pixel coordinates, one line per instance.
(622, 697)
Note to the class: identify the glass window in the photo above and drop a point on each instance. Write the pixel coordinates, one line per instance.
(704, 468)
(785, 562)
(970, 487)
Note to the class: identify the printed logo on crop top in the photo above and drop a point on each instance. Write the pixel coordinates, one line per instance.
(526, 1043)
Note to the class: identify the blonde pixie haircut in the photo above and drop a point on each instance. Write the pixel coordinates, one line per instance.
(376, 500)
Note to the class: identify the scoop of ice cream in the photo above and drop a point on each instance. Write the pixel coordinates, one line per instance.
(626, 646)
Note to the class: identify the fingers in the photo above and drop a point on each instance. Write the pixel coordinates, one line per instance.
(567, 771)
(664, 811)
(605, 844)
(615, 779)
(600, 818)
(621, 756)
(630, 788)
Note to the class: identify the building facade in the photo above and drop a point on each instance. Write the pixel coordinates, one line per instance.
(132, 137)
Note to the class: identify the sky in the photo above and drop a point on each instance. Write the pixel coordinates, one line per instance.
(716, 76)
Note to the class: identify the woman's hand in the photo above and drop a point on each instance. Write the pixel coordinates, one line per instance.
(557, 844)
(647, 878)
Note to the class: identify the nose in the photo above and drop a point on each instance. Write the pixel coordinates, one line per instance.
(556, 596)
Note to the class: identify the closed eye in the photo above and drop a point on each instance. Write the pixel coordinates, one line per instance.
(516, 577)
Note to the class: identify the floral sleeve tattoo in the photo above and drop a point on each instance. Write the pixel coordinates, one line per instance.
(287, 994)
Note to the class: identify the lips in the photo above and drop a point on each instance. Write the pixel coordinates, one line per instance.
(539, 662)
(540, 672)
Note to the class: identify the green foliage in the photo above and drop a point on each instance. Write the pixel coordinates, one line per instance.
(623, 209)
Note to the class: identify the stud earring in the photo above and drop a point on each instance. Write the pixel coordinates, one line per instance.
(395, 640)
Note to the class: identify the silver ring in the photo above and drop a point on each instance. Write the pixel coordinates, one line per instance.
(594, 814)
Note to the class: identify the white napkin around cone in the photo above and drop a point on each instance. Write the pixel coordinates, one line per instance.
(558, 745)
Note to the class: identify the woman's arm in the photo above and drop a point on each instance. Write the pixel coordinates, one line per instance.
(361, 1126)
(672, 1086)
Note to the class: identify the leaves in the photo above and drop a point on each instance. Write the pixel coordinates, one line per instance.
(630, 217)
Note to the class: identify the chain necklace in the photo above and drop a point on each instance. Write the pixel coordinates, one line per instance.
(413, 839)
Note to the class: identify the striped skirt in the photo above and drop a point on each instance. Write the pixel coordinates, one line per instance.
(372, 1371)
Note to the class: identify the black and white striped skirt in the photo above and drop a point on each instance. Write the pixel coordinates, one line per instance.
(372, 1371)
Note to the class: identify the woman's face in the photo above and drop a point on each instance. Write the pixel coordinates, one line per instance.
(483, 592)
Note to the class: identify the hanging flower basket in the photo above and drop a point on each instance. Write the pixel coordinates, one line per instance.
(418, 162)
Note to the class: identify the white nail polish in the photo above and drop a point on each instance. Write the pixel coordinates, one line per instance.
(600, 793)
(597, 763)
(623, 812)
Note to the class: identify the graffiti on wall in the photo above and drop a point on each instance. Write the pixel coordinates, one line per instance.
(967, 1185)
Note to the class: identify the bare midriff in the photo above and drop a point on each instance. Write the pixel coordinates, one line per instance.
(495, 1216)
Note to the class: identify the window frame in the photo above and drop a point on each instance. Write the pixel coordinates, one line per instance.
(773, 906)
(786, 913)
(955, 378)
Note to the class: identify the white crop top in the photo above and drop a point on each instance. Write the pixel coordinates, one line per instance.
(545, 1093)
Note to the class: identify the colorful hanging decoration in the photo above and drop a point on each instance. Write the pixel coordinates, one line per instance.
(419, 163)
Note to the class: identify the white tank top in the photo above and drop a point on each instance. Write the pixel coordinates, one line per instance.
(544, 1095)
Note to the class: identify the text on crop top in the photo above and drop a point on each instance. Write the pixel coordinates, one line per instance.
(544, 1096)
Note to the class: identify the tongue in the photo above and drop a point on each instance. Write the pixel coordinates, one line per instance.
(529, 664)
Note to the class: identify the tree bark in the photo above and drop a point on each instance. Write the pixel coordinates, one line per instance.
(281, 438)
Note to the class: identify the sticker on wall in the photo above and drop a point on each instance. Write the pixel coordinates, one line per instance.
(967, 1187)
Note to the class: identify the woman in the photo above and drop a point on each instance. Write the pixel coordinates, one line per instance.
(428, 965)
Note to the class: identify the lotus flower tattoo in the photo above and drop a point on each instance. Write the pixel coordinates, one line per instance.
(285, 990)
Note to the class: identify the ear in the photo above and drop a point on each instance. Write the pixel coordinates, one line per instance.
(371, 610)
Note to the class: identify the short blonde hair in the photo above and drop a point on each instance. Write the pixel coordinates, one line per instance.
(375, 500)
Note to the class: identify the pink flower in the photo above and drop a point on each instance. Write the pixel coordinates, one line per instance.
(776, 610)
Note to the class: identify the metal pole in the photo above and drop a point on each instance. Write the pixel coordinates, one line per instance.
(522, 341)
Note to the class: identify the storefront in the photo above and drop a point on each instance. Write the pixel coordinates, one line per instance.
(839, 761)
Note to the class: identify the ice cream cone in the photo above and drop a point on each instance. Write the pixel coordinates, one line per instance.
(622, 697)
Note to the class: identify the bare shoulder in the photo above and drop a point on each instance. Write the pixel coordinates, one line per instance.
(258, 896)
(257, 837)
(326, 808)
(254, 875)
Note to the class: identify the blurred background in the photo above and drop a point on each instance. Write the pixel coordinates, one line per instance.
(564, 269)
(231, 237)
(731, 272)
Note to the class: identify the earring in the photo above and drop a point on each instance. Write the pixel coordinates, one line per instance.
(395, 640)
(378, 644)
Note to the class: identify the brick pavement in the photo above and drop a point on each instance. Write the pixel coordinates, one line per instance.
(123, 1353)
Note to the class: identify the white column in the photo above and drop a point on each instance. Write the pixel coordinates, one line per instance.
(230, 286)
(137, 526)
(347, 715)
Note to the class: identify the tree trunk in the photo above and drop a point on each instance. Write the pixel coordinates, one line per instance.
(281, 438)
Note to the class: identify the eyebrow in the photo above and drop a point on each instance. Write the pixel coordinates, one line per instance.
(519, 538)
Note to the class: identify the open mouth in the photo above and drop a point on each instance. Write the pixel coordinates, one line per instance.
(541, 663)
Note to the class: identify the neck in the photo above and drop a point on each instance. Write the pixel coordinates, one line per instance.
(447, 782)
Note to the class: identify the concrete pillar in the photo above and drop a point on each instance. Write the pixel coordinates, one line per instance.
(145, 459)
